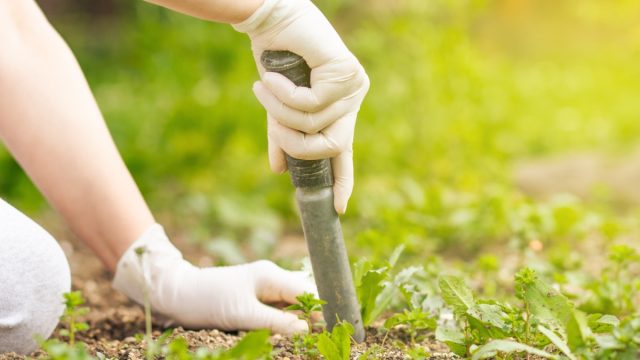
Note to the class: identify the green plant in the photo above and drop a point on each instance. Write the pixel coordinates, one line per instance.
(373, 289)
(307, 304)
(306, 345)
(373, 352)
(622, 343)
(337, 344)
(418, 353)
(57, 350)
(491, 349)
(72, 310)
(617, 288)
(416, 321)
(254, 345)
(415, 318)
(153, 347)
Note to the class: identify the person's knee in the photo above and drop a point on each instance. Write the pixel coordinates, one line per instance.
(34, 275)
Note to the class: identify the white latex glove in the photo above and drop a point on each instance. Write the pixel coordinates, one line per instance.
(308, 123)
(227, 298)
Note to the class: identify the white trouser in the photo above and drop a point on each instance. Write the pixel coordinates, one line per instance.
(34, 273)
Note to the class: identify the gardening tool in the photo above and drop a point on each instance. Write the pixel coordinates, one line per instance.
(313, 180)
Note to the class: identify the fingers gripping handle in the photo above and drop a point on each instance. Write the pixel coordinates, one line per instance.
(304, 173)
(320, 222)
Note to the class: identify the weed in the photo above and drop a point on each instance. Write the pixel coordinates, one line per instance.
(415, 318)
(57, 350)
(72, 310)
(151, 347)
(337, 344)
(307, 304)
(306, 345)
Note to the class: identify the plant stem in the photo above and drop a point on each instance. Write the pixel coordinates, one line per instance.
(385, 337)
(147, 304)
(72, 330)
(526, 323)
(309, 323)
(466, 336)
(147, 322)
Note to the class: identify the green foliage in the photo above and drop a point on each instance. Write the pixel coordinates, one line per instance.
(306, 345)
(72, 310)
(373, 288)
(415, 319)
(337, 344)
(454, 338)
(307, 304)
(490, 350)
(490, 327)
(253, 346)
(557, 341)
(370, 287)
(57, 350)
(153, 347)
(623, 343)
(456, 294)
(615, 292)
(372, 353)
(466, 91)
(418, 353)
(542, 301)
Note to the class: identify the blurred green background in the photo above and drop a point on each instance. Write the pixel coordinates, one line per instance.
(462, 92)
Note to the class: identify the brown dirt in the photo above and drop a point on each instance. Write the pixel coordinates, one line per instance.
(114, 320)
(586, 175)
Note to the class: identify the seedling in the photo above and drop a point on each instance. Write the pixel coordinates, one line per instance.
(306, 345)
(57, 350)
(72, 310)
(337, 344)
(418, 353)
(152, 347)
(253, 346)
(415, 320)
(307, 305)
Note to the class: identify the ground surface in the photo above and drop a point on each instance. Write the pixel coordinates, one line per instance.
(114, 320)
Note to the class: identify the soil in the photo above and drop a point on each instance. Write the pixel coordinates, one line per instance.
(114, 320)
(587, 175)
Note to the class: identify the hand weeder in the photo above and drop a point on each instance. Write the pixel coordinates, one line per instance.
(313, 180)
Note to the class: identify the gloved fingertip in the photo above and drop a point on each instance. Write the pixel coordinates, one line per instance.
(278, 165)
(340, 203)
(257, 87)
(298, 327)
(288, 324)
(268, 76)
(273, 80)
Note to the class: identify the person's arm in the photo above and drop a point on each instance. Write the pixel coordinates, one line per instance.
(223, 11)
(51, 124)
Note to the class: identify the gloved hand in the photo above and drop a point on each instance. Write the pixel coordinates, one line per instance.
(227, 298)
(313, 123)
